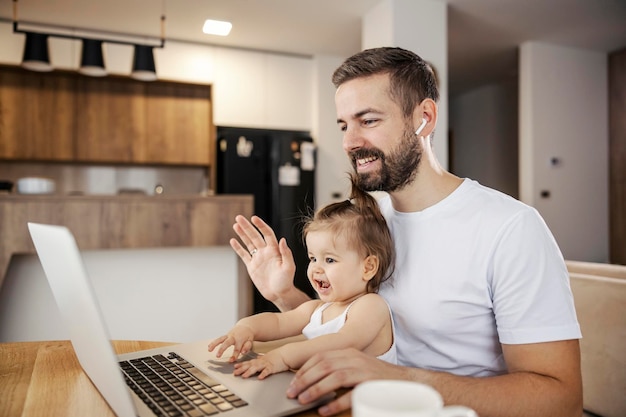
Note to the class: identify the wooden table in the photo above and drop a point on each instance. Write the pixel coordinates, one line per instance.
(45, 379)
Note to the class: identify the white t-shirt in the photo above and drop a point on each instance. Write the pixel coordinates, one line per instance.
(477, 269)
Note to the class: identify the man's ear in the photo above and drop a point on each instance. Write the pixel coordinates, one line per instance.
(370, 267)
(426, 110)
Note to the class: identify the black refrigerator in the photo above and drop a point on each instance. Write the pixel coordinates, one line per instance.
(278, 168)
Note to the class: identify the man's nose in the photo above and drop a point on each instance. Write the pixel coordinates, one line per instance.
(352, 139)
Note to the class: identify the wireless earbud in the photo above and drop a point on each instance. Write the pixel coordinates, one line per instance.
(419, 129)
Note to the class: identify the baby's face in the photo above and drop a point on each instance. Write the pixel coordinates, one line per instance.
(335, 270)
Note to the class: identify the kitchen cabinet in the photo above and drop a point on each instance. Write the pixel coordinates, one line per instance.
(109, 120)
(254, 89)
(64, 116)
(101, 222)
(36, 116)
(178, 127)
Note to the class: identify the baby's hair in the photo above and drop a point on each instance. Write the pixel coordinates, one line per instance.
(360, 221)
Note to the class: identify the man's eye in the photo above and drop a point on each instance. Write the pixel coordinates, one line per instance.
(343, 128)
(368, 122)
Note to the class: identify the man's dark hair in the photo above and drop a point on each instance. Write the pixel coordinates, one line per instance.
(411, 78)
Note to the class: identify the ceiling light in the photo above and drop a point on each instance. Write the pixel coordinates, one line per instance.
(216, 27)
(36, 52)
(92, 61)
(143, 64)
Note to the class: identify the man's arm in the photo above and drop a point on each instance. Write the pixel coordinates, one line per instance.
(544, 380)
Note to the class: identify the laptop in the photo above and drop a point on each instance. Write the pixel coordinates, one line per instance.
(140, 383)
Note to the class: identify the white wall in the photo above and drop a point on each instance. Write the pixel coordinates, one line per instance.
(485, 138)
(332, 182)
(419, 26)
(564, 114)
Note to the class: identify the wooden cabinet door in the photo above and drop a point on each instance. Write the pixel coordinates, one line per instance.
(68, 117)
(36, 116)
(178, 121)
(110, 119)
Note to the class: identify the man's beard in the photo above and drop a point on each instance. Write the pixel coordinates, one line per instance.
(398, 168)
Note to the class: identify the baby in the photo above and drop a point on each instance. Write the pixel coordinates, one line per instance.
(350, 253)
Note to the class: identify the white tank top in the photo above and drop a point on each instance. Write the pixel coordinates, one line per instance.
(316, 328)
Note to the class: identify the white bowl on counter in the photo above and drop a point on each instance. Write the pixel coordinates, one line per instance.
(35, 185)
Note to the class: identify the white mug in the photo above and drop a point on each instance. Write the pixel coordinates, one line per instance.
(387, 398)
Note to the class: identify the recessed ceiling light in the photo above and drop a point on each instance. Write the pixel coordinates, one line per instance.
(216, 27)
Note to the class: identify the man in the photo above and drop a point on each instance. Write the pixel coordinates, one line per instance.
(480, 293)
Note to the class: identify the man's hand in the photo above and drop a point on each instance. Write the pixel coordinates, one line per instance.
(328, 371)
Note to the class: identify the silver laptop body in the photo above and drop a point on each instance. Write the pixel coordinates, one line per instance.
(79, 309)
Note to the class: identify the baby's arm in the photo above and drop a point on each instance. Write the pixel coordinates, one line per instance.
(263, 327)
(365, 320)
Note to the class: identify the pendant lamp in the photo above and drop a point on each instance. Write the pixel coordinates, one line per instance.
(36, 52)
(36, 56)
(143, 64)
(92, 61)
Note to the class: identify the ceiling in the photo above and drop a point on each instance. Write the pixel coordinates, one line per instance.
(483, 35)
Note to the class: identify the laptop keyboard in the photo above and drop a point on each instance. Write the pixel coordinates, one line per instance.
(170, 386)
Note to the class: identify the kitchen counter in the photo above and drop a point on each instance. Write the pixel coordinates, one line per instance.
(121, 221)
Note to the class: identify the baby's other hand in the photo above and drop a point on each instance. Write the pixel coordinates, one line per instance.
(263, 365)
(240, 337)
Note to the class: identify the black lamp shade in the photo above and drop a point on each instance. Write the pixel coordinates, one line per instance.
(143, 64)
(36, 52)
(92, 61)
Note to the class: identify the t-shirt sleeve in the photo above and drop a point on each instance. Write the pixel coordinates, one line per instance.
(531, 294)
